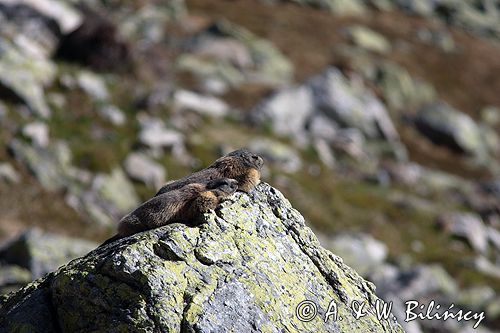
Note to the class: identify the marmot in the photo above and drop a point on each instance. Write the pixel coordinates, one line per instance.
(185, 204)
(242, 165)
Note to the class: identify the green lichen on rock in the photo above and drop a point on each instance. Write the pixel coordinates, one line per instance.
(244, 269)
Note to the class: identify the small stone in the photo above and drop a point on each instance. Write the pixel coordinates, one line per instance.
(25, 76)
(494, 237)
(277, 153)
(38, 132)
(8, 173)
(113, 114)
(448, 127)
(485, 266)
(369, 39)
(287, 111)
(491, 115)
(66, 17)
(117, 189)
(476, 297)
(361, 251)
(141, 168)
(14, 275)
(468, 226)
(205, 105)
(154, 134)
(93, 85)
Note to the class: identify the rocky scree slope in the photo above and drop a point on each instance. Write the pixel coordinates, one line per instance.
(245, 269)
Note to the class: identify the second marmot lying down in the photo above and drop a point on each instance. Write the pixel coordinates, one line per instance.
(242, 165)
(185, 204)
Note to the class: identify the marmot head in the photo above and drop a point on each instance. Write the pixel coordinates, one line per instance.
(225, 185)
(242, 159)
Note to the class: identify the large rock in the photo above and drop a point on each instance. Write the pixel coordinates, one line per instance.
(245, 269)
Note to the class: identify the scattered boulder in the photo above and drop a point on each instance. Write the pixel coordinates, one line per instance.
(339, 7)
(422, 283)
(369, 39)
(23, 77)
(50, 165)
(140, 167)
(113, 114)
(485, 266)
(361, 251)
(116, 189)
(42, 253)
(287, 111)
(494, 237)
(322, 107)
(93, 84)
(95, 43)
(275, 152)
(350, 103)
(478, 17)
(468, 226)
(230, 53)
(149, 21)
(216, 277)
(66, 17)
(204, 105)
(8, 173)
(13, 277)
(476, 297)
(38, 132)
(446, 126)
(401, 90)
(440, 38)
(156, 136)
(491, 115)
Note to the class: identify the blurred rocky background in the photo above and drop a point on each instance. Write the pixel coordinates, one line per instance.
(378, 119)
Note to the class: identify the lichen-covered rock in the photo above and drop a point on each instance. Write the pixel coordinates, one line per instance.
(245, 269)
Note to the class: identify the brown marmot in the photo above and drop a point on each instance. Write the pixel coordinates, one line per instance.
(185, 205)
(242, 165)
